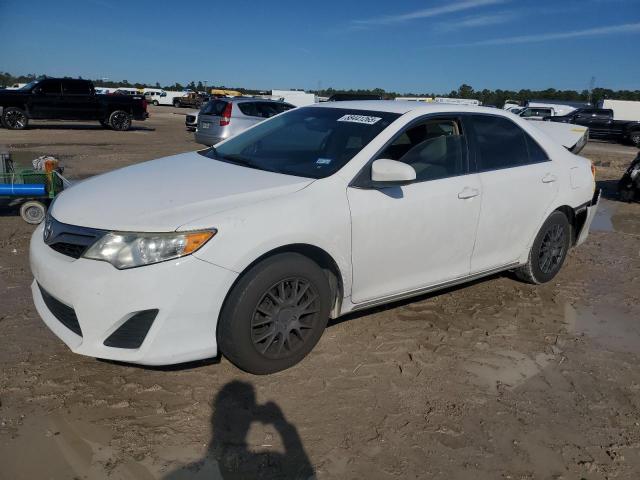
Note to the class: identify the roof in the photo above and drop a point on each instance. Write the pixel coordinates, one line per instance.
(402, 107)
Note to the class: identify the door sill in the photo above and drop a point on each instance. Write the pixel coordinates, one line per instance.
(432, 288)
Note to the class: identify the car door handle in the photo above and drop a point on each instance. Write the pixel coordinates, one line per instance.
(468, 192)
(549, 178)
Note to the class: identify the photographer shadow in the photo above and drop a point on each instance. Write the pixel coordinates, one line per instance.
(228, 455)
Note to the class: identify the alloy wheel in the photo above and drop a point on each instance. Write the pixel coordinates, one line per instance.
(552, 249)
(284, 317)
(15, 119)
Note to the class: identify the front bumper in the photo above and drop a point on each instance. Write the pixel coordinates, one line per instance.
(188, 294)
(592, 208)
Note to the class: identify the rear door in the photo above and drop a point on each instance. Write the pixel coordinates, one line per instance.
(601, 123)
(44, 101)
(519, 183)
(78, 100)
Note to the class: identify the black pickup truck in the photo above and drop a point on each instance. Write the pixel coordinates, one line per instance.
(602, 124)
(68, 99)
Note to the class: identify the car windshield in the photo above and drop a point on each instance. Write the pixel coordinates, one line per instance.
(29, 85)
(312, 142)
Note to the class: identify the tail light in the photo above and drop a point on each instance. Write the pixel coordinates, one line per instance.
(226, 115)
(593, 170)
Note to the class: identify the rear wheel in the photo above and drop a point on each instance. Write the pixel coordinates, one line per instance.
(634, 137)
(14, 118)
(33, 212)
(548, 252)
(120, 120)
(275, 314)
(176, 103)
(155, 103)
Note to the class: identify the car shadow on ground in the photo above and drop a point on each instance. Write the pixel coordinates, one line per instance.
(230, 456)
(82, 126)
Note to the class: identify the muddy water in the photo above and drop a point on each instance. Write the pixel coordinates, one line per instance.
(611, 327)
(614, 216)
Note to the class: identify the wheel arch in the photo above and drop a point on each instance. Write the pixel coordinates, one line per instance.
(320, 256)
(576, 217)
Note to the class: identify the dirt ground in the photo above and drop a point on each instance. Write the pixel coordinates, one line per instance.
(494, 380)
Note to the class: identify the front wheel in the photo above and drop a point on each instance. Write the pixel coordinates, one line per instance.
(155, 103)
(14, 118)
(548, 252)
(176, 104)
(275, 314)
(120, 120)
(634, 138)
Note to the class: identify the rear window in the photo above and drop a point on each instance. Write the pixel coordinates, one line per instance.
(75, 88)
(213, 107)
(312, 142)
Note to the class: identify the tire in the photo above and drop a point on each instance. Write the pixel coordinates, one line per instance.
(14, 118)
(33, 212)
(120, 120)
(548, 252)
(176, 103)
(626, 194)
(634, 138)
(155, 103)
(275, 314)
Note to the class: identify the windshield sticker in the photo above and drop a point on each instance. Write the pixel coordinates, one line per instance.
(359, 119)
(323, 161)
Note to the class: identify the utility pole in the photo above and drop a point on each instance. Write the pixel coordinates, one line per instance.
(592, 84)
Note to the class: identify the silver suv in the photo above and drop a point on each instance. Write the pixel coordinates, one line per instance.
(222, 118)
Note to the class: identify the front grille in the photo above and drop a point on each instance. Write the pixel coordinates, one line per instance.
(65, 314)
(132, 333)
(69, 249)
(69, 240)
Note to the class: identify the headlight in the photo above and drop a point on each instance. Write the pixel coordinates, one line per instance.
(128, 250)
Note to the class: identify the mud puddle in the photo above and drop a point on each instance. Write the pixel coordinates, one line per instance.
(615, 216)
(613, 328)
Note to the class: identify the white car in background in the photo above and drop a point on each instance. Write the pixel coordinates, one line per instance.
(250, 247)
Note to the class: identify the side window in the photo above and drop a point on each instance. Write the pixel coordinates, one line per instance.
(435, 149)
(536, 153)
(249, 108)
(50, 87)
(75, 88)
(500, 143)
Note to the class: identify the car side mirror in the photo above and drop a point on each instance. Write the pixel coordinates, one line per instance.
(387, 173)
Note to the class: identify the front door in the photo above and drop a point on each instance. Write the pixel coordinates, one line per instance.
(410, 237)
(44, 101)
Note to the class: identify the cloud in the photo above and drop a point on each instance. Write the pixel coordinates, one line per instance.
(478, 21)
(545, 37)
(424, 13)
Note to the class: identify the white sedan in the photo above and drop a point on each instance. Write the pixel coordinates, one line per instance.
(248, 248)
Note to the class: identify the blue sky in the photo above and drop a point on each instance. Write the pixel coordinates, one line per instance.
(407, 46)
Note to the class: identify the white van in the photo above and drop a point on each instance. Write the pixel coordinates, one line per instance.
(167, 96)
(623, 109)
(153, 95)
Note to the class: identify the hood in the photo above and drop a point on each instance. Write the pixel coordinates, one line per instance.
(161, 195)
